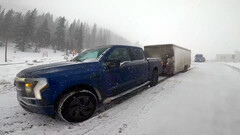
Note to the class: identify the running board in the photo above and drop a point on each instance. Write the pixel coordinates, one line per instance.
(109, 99)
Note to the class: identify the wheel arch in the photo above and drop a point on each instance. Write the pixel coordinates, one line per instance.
(155, 68)
(80, 87)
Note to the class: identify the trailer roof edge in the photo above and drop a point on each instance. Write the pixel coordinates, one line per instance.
(167, 45)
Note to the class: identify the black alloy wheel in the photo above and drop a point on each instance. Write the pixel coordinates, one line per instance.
(77, 106)
(154, 79)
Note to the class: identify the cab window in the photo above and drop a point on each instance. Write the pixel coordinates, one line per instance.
(137, 54)
(119, 54)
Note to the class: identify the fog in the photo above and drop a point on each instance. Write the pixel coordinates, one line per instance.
(204, 26)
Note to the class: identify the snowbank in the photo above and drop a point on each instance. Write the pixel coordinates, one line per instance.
(234, 65)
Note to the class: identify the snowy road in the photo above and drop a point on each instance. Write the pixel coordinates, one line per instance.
(204, 101)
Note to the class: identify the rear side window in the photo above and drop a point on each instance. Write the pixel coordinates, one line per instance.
(136, 54)
(120, 54)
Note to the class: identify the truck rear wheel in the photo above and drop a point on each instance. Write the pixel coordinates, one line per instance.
(154, 78)
(77, 106)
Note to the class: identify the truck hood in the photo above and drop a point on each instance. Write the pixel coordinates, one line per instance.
(54, 68)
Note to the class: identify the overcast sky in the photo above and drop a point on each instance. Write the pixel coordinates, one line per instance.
(204, 26)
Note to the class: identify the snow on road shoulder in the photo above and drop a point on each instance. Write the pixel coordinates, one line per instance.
(235, 65)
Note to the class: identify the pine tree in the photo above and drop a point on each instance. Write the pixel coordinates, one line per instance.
(67, 47)
(71, 35)
(28, 30)
(51, 25)
(60, 34)
(86, 39)
(17, 27)
(104, 37)
(78, 34)
(6, 29)
(42, 36)
(79, 37)
(1, 23)
(108, 36)
(94, 35)
(100, 37)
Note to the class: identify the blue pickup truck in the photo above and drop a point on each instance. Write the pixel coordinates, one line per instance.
(73, 90)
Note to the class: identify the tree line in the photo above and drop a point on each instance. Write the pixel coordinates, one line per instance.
(33, 30)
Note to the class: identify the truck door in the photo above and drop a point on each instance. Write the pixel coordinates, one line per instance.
(119, 79)
(140, 65)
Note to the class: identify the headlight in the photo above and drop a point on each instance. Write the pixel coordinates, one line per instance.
(29, 88)
(34, 86)
(40, 86)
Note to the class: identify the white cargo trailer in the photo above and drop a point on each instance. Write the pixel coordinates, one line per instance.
(175, 58)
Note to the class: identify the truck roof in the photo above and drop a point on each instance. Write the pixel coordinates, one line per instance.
(172, 45)
(118, 46)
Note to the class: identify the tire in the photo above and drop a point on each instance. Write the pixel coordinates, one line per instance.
(154, 78)
(185, 68)
(77, 106)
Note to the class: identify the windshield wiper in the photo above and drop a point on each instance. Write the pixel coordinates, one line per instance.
(76, 60)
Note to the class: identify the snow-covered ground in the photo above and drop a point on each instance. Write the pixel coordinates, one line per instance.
(18, 60)
(205, 101)
(16, 56)
(235, 65)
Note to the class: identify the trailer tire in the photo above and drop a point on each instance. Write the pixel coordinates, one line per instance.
(185, 68)
(154, 78)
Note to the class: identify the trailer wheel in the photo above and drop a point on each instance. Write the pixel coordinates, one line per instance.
(77, 106)
(154, 78)
(185, 68)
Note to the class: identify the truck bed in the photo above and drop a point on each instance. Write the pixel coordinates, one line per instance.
(153, 63)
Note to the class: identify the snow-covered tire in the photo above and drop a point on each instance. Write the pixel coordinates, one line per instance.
(154, 78)
(77, 106)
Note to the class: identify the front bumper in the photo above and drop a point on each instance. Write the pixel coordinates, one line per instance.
(35, 105)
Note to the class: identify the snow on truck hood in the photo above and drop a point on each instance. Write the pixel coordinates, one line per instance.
(36, 71)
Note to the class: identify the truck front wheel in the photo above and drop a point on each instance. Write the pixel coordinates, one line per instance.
(154, 78)
(77, 106)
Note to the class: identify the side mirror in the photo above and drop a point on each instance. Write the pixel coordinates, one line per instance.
(114, 63)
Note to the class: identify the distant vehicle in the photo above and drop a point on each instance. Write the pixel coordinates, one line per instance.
(73, 90)
(199, 58)
(175, 58)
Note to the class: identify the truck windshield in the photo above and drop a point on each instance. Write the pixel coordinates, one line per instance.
(199, 55)
(90, 54)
